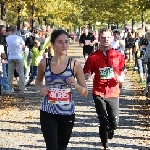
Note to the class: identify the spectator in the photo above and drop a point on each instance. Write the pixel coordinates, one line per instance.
(6, 88)
(128, 47)
(35, 60)
(24, 33)
(15, 59)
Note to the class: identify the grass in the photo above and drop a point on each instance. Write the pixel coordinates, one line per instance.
(143, 102)
(135, 76)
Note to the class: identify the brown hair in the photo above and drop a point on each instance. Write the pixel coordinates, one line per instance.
(36, 42)
(129, 35)
(104, 30)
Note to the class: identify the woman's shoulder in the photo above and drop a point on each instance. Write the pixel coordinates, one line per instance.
(75, 63)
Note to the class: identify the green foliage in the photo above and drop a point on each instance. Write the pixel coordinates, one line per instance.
(79, 12)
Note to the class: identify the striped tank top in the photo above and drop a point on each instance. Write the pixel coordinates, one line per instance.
(58, 89)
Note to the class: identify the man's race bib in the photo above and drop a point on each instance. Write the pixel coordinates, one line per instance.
(87, 42)
(59, 96)
(106, 73)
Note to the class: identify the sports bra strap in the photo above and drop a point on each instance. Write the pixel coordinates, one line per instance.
(74, 66)
(72, 69)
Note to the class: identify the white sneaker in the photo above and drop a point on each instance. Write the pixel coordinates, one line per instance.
(12, 90)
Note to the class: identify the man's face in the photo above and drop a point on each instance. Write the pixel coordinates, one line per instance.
(116, 36)
(86, 31)
(105, 39)
(3, 31)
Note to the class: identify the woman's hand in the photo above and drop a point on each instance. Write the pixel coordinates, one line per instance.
(44, 90)
(71, 81)
(3, 61)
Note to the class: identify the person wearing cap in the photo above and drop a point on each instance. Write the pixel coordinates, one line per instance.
(15, 58)
(106, 63)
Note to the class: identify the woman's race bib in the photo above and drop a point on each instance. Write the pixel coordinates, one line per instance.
(106, 73)
(59, 96)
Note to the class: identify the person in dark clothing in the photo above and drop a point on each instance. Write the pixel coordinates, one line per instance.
(128, 47)
(30, 40)
(87, 40)
(30, 43)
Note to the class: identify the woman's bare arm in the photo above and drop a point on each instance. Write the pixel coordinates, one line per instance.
(81, 86)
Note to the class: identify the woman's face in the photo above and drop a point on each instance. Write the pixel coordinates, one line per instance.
(61, 44)
(3, 31)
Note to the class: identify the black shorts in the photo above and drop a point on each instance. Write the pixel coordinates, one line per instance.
(87, 53)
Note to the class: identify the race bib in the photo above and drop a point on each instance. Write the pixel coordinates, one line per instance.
(59, 96)
(87, 42)
(106, 73)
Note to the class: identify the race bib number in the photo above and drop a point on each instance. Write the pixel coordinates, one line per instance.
(106, 73)
(59, 96)
(87, 42)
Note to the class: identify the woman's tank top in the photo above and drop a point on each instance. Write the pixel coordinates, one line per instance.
(59, 99)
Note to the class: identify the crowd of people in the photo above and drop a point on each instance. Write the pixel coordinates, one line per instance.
(106, 54)
(21, 52)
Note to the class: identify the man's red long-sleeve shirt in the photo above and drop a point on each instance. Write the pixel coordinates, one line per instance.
(105, 87)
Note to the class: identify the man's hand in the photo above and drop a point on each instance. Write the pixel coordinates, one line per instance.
(87, 76)
(120, 78)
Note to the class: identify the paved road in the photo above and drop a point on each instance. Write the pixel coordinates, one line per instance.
(20, 127)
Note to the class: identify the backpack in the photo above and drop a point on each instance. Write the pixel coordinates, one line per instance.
(24, 34)
(146, 55)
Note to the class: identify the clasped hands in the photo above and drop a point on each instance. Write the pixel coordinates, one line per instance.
(70, 81)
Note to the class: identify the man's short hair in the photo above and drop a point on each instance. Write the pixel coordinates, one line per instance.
(104, 30)
(116, 31)
(13, 28)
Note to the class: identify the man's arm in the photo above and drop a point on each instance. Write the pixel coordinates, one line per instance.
(22, 43)
(81, 41)
(88, 68)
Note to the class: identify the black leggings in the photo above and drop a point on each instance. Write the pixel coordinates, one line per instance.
(56, 130)
(107, 110)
